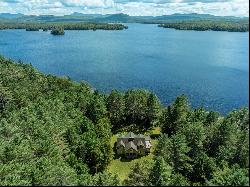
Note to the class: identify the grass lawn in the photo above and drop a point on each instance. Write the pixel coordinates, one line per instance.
(154, 131)
(122, 168)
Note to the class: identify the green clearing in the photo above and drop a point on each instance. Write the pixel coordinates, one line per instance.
(122, 167)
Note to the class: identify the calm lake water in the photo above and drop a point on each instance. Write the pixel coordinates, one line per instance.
(212, 68)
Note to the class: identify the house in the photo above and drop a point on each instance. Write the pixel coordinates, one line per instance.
(132, 145)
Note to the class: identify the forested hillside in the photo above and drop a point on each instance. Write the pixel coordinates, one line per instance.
(54, 131)
(209, 25)
(35, 26)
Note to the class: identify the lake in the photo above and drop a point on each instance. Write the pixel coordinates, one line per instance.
(211, 68)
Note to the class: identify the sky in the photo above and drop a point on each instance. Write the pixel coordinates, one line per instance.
(131, 7)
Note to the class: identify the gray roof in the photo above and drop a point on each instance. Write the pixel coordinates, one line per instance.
(140, 143)
(130, 135)
(137, 140)
(131, 145)
(140, 136)
(120, 142)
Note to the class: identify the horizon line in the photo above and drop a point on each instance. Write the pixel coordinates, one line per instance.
(124, 14)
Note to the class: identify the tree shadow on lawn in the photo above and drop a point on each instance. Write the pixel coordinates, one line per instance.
(124, 159)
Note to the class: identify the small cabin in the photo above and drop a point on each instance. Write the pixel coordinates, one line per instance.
(132, 145)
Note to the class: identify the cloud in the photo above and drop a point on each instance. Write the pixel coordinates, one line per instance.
(13, 1)
(131, 7)
(172, 1)
(88, 3)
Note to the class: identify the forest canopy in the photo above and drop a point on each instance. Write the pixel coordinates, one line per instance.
(54, 131)
(230, 26)
(58, 31)
(34, 26)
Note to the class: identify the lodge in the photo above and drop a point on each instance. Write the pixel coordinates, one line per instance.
(132, 145)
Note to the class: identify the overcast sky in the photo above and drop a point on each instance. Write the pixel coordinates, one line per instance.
(131, 7)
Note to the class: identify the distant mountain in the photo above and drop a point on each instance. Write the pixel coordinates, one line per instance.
(10, 16)
(119, 18)
(116, 18)
(77, 14)
(165, 18)
(193, 16)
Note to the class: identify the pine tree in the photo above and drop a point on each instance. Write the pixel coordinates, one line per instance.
(139, 174)
(116, 109)
(154, 110)
(161, 173)
(176, 115)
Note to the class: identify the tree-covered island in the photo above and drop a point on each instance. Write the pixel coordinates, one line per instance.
(58, 31)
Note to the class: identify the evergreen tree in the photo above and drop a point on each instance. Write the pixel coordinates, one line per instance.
(154, 110)
(136, 107)
(179, 180)
(97, 108)
(197, 115)
(139, 174)
(116, 109)
(226, 176)
(175, 151)
(5, 98)
(160, 174)
(179, 154)
(212, 118)
(175, 115)
(106, 179)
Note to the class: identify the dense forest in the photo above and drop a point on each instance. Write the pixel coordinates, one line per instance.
(58, 31)
(209, 25)
(35, 26)
(54, 131)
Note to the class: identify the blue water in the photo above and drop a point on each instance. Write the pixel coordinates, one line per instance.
(212, 68)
